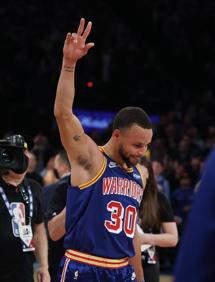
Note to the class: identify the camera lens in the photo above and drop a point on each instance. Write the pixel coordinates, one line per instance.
(6, 157)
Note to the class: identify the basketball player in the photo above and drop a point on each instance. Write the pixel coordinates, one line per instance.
(106, 184)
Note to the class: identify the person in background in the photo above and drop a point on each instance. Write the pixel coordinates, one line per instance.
(49, 174)
(32, 168)
(61, 168)
(22, 231)
(55, 202)
(106, 185)
(181, 199)
(162, 182)
(43, 151)
(195, 259)
(156, 220)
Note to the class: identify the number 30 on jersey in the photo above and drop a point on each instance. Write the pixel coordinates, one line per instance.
(121, 219)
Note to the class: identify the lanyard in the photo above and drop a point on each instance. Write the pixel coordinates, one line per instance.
(5, 199)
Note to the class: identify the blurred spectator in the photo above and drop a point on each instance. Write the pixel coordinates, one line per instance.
(158, 148)
(62, 169)
(49, 173)
(55, 201)
(158, 224)
(196, 168)
(162, 182)
(42, 150)
(32, 168)
(184, 149)
(181, 199)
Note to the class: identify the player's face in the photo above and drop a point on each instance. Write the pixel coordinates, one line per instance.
(133, 144)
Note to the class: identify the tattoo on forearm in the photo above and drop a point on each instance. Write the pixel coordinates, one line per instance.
(77, 137)
(69, 69)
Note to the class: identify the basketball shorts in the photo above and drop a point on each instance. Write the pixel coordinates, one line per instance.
(81, 267)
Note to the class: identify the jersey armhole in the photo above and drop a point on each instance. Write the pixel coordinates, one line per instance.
(98, 175)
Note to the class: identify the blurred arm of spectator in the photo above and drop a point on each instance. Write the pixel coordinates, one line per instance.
(56, 226)
(41, 252)
(169, 237)
(56, 211)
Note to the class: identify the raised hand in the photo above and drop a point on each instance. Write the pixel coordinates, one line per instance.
(75, 46)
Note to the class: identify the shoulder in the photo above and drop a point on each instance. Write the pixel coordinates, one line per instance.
(49, 187)
(33, 183)
(64, 180)
(165, 208)
(163, 201)
(62, 185)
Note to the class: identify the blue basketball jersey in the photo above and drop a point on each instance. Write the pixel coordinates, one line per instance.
(102, 213)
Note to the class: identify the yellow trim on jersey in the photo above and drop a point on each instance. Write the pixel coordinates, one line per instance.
(99, 174)
(94, 260)
(129, 169)
(101, 148)
(139, 168)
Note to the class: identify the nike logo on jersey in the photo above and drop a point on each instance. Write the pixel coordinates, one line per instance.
(136, 176)
(112, 164)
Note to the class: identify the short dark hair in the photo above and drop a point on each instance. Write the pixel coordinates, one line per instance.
(129, 116)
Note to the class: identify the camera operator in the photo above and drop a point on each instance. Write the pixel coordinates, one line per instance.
(22, 232)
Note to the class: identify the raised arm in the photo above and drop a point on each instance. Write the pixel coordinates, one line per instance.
(71, 131)
(80, 148)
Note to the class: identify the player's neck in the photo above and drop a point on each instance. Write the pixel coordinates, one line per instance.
(112, 152)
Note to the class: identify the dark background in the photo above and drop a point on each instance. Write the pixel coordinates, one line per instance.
(159, 55)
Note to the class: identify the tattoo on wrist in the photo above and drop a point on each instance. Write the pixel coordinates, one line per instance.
(77, 137)
(69, 68)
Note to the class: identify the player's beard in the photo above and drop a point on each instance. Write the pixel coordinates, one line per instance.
(125, 157)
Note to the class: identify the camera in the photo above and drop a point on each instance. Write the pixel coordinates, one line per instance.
(17, 141)
(12, 155)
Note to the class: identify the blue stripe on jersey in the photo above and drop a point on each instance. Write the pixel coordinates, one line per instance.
(101, 218)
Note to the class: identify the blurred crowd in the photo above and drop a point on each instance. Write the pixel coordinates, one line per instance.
(146, 53)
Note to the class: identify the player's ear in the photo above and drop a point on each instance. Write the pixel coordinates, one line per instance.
(116, 133)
